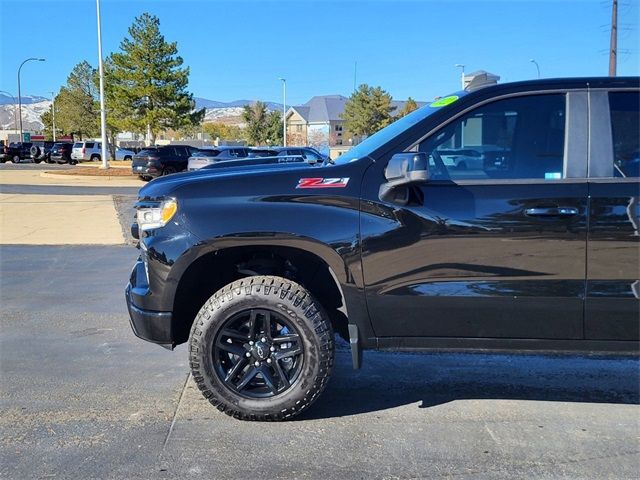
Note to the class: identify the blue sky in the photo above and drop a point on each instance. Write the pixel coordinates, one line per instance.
(237, 50)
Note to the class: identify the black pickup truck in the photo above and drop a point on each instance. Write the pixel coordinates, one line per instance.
(531, 243)
(16, 151)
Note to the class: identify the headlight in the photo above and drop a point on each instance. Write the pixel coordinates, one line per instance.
(156, 217)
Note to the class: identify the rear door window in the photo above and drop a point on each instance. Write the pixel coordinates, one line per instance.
(89, 144)
(625, 125)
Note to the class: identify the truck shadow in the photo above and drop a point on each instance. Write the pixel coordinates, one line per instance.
(389, 380)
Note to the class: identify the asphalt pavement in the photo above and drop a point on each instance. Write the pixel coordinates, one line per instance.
(82, 397)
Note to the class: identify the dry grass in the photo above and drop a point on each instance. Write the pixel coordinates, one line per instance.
(95, 171)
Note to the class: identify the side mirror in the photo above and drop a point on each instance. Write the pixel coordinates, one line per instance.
(402, 170)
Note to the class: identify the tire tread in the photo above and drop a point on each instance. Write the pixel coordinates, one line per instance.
(282, 289)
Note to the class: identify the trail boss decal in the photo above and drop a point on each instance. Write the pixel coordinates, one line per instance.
(323, 182)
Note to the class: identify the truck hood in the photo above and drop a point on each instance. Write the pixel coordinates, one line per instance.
(216, 172)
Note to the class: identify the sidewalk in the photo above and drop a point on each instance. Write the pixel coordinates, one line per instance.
(44, 219)
(59, 220)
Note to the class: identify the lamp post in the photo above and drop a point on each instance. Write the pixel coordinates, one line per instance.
(103, 113)
(461, 66)
(15, 117)
(284, 111)
(53, 115)
(537, 66)
(19, 97)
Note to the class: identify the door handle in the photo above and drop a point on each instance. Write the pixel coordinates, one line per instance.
(547, 212)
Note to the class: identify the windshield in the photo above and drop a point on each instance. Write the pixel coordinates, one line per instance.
(388, 133)
(148, 151)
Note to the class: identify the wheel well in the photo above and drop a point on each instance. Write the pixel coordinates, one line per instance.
(213, 271)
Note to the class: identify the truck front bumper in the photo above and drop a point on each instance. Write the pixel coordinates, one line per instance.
(152, 326)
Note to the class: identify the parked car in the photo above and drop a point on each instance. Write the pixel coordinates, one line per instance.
(40, 151)
(165, 160)
(87, 151)
(465, 159)
(311, 155)
(256, 267)
(61, 153)
(17, 151)
(262, 152)
(124, 154)
(203, 157)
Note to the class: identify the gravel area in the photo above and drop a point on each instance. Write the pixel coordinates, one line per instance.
(124, 208)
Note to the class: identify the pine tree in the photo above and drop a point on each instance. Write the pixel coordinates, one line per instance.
(257, 119)
(274, 128)
(76, 108)
(409, 106)
(367, 111)
(147, 83)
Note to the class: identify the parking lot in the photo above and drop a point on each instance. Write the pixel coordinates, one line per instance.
(83, 398)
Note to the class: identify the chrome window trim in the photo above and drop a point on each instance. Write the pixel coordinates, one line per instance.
(510, 181)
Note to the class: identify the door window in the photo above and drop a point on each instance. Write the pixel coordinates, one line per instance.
(515, 138)
(625, 125)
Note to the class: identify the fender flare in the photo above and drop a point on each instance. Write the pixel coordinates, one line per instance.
(348, 282)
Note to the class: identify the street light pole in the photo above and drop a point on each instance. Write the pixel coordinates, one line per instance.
(537, 66)
(103, 113)
(15, 117)
(53, 115)
(19, 96)
(461, 66)
(284, 111)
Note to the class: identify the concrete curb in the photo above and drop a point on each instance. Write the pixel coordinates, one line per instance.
(125, 182)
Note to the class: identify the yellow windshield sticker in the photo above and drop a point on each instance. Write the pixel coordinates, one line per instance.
(443, 102)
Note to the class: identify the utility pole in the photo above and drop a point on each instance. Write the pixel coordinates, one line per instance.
(103, 113)
(613, 52)
(53, 115)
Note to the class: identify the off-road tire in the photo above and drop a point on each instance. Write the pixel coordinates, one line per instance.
(288, 299)
(15, 159)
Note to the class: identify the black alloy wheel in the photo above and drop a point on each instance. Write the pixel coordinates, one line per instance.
(261, 348)
(258, 353)
(15, 159)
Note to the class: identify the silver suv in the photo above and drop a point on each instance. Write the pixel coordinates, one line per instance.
(87, 151)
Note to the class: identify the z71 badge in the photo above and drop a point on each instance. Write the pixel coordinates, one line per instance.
(323, 182)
